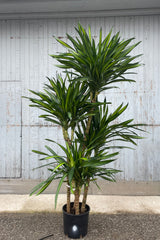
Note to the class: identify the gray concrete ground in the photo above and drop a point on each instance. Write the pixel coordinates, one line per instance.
(49, 226)
(111, 217)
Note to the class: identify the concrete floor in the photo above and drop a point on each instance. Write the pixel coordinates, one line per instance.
(49, 226)
(111, 217)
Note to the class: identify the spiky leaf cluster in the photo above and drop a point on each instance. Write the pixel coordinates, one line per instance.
(72, 103)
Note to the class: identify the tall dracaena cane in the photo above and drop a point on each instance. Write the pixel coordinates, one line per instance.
(97, 66)
(87, 128)
(93, 99)
(67, 140)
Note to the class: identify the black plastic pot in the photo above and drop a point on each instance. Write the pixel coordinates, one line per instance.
(75, 226)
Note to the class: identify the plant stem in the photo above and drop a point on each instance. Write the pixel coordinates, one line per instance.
(72, 134)
(76, 201)
(93, 100)
(68, 197)
(66, 138)
(85, 196)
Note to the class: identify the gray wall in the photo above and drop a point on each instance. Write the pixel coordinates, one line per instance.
(25, 46)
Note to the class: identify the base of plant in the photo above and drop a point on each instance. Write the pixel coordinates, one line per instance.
(75, 226)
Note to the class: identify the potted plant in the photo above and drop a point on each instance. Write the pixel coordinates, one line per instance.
(91, 131)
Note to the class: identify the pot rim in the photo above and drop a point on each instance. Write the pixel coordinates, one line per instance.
(81, 214)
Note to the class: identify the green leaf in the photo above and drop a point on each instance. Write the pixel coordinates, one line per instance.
(70, 174)
(44, 165)
(41, 153)
(58, 166)
(38, 186)
(58, 188)
(97, 163)
(89, 32)
(50, 149)
(63, 43)
(44, 187)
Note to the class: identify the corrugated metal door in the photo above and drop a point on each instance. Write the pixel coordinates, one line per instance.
(25, 46)
(10, 102)
(10, 130)
(140, 165)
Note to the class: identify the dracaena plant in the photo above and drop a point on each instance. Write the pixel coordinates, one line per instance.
(90, 130)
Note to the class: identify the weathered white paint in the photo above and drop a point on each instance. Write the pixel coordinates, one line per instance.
(25, 46)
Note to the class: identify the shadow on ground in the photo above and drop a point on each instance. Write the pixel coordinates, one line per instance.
(49, 226)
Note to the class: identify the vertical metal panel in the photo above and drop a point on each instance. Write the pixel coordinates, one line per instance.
(10, 130)
(10, 100)
(9, 50)
(25, 47)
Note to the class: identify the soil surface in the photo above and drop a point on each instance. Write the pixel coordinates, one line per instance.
(49, 226)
